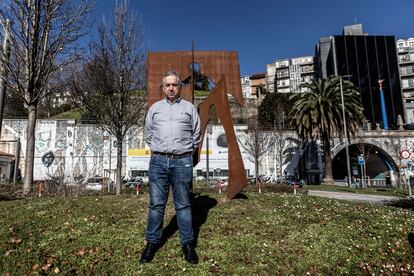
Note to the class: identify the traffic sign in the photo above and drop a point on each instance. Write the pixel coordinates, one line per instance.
(405, 154)
(361, 160)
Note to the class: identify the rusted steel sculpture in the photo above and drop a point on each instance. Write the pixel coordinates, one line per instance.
(222, 68)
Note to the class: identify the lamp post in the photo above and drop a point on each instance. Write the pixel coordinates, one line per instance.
(209, 131)
(348, 167)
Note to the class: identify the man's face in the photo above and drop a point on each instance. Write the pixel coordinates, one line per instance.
(171, 87)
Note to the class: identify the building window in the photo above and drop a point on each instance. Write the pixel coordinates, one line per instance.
(404, 58)
(404, 83)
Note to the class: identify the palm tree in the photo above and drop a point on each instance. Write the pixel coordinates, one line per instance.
(317, 114)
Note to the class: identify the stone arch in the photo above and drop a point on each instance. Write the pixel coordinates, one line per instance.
(369, 141)
(379, 156)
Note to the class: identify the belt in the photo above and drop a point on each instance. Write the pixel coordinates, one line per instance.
(174, 155)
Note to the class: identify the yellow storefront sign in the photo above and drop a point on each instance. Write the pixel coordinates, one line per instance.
(139, 152)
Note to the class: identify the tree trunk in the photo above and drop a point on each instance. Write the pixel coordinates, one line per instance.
(256, 168)
(280, 155)
(30, 146)
(328, 164)
(118, 179)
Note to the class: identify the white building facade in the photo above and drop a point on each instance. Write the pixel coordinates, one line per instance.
(405, 51)
(287, 75)
(246, 88)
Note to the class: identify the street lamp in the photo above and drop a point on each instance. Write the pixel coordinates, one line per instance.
(348, 167)
(209, 132)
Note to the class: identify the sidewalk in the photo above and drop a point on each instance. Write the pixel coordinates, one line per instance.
(353, 197)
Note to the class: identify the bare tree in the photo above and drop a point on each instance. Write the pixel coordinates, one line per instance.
(272, 115)
(110, 85)
(279, 139)
(42, 35)
(256, 143)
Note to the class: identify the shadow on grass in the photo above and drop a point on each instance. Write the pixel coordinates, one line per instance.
(201, 205)
(405, 203)
(411, 239)
(240, 196)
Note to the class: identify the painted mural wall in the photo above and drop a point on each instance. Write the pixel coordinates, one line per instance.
(74, 152)
(62, 149)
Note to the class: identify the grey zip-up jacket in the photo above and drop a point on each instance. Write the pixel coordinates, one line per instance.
(172, 127)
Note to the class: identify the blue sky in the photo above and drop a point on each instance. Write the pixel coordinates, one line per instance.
(261, 31)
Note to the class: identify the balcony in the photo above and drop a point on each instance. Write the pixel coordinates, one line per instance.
(406, 61)
(283, 85)
(403, 49)
(407, 89)
(406, 75)
(308, 72)
(283, 77)
(281, 66)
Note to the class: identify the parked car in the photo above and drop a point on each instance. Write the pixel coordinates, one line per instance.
(96, 183)
(224, 181)
(133, 182)
(291, 180)
(214, 180)
(199, 178)
(264, 178)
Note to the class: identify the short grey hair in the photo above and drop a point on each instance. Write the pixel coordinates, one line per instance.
(171, 73)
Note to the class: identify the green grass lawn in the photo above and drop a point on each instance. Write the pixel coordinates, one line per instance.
(257, 234)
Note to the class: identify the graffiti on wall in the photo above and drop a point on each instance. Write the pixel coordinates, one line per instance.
(64, 150)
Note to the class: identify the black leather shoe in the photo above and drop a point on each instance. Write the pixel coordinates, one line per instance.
(149, 253)
(190, 255)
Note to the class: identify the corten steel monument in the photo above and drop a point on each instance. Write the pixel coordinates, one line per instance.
(222, 68)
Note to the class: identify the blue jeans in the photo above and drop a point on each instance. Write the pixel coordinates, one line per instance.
(178, 173)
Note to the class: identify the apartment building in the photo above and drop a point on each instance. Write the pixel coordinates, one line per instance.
(405, 52)
(287, 75)
(258, 85)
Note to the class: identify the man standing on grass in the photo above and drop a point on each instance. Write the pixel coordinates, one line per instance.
(172, 131)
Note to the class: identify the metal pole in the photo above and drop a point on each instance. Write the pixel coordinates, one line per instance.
(207, 158)
(364, 175)
(110, 156)
(192, 72)
(364, 166)
(348, 167)
(3, 73)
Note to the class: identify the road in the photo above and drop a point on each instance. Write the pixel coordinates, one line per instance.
(352, 196)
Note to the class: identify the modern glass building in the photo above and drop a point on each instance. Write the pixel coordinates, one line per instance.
(367, 59)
